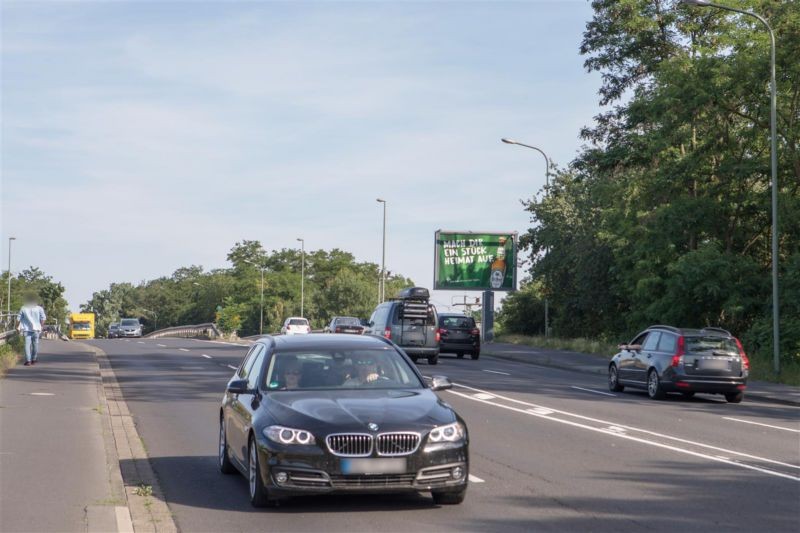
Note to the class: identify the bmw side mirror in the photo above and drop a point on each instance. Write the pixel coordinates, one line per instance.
(440, 383)
(238, 386)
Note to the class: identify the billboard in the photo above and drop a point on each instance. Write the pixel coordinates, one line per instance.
(475, 261)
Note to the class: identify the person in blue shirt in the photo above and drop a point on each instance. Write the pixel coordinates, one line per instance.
(31, 319)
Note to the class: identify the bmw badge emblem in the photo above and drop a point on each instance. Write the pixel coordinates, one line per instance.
(372, 426)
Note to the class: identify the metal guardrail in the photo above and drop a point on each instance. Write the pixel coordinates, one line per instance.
(205, 331)
(4, 336)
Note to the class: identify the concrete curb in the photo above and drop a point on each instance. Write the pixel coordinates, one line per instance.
(548, 361)
(134, 478)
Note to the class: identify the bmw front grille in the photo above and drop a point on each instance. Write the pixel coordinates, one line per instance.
(350, 444)
(398, 443)
(361, 444)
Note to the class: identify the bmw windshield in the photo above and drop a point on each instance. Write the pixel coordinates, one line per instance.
(376, 368)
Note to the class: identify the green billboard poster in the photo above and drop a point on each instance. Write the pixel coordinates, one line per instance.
(475, 261)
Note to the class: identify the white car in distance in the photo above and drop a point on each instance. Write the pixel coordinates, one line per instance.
(296, 325)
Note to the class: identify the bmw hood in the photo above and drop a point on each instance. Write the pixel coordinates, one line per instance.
(351, 410)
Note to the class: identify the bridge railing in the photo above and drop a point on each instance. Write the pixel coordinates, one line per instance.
(6, 335)
(196, 331)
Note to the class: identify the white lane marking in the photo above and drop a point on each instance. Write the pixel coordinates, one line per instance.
(497, 372)
(631, 428)
(140, 342)
(617, 429)
(161, 345)
(592, 390)
(760, 424)
(183, 349)
(483, 396)
(475, 479)
(124, 523)
(42, 394)
(619, 435)
(233, 367)
(206, 356)
(541, 411)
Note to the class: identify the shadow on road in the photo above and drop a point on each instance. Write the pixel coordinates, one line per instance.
(197, 482)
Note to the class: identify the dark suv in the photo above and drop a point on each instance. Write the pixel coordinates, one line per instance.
(665, 359)
(459, 335)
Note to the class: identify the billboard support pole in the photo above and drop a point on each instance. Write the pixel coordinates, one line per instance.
(487, 316)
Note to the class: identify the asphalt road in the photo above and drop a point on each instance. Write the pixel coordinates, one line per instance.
(551, 450)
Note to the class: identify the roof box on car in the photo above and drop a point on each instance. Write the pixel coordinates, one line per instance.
(414, 293)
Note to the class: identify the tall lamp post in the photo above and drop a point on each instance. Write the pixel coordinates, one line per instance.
(547, 183)
(776, 353)
(261, 308)
(382, 281)
(8, 296)
(155, 318)
(302, 274)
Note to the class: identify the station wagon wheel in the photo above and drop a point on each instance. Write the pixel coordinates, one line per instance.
(654, 388)
(258, 492)
(613, 379)
(225, 465)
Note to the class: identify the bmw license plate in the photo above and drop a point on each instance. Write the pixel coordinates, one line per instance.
(373, 466)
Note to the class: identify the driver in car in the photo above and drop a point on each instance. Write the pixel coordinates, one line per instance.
(366, 372)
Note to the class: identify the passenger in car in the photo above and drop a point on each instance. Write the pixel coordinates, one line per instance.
(292, 375)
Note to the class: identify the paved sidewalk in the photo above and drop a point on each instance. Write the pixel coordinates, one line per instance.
(594, 364)
(55, 473)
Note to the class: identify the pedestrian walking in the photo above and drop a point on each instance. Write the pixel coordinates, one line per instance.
(30, 323)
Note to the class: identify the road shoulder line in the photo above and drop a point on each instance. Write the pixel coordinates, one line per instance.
(133, 475)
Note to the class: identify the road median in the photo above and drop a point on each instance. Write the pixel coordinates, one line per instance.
(148, 508)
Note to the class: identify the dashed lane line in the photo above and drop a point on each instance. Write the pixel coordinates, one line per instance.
(161, 345)
(206, 356)
(607, 423)
(233, 367)
(761, 424)
(620, 435)
(592, 390)
(183, 349)
(497, 372)
(475, 479)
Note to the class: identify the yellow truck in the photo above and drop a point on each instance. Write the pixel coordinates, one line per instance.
(81, 326)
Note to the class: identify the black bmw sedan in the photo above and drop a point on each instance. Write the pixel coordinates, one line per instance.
(317, 414)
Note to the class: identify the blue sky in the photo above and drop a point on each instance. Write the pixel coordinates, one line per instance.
(140, 137)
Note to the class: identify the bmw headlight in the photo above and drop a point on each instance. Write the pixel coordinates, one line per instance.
(450, 433)
(284, 435)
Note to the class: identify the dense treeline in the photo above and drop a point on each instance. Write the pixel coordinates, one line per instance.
(335, 283)
(664, 216)
(32, 280)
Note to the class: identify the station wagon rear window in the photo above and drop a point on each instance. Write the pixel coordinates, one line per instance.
(711, 344)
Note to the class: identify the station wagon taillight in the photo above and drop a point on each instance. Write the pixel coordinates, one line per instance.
(745, 360)
(681, 350)
(475, 331)
(387, 333)
(438, 335)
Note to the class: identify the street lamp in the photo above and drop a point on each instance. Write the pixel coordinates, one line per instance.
(776, 351)
(302, 274)
(155, 317)
(382, 281)
(547, 184)
(8, 300)
(261, 308)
